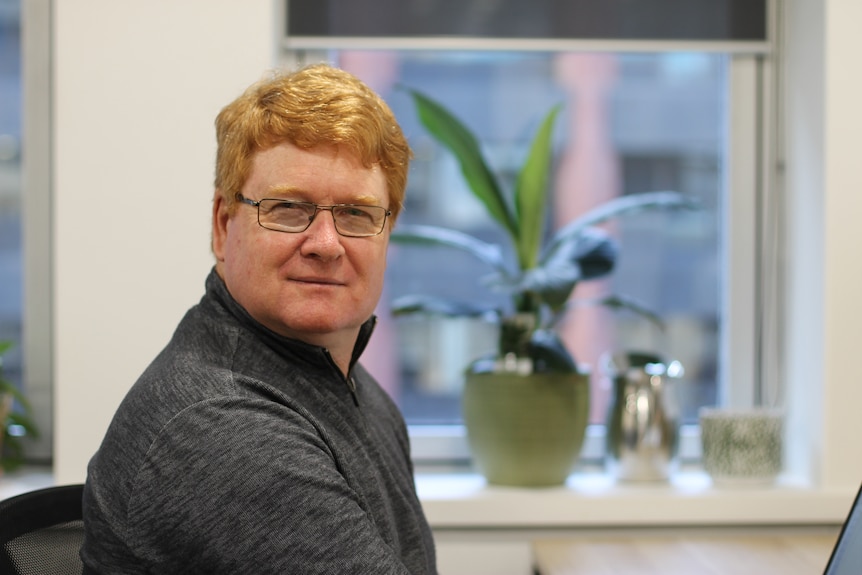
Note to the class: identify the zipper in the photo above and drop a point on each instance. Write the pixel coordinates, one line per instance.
(351, 384)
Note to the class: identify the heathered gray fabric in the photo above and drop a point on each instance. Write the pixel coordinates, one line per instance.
(239, 451)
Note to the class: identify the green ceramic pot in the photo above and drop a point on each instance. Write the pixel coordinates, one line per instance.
(526, 430)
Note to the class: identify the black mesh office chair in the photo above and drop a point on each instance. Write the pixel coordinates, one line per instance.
(41, 532)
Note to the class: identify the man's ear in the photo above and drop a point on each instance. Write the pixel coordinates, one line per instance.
(221, 215)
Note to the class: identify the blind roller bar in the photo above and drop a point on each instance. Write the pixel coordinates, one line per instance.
(698, 20)
(523, 45)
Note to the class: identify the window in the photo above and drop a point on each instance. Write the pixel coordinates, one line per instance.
(632, 122)
(11, 269)
(25, 219)
(645, 110)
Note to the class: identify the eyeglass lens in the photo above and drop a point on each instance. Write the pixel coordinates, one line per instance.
(350, 219)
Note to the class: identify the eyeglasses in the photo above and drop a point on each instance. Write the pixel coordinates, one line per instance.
(351, 220)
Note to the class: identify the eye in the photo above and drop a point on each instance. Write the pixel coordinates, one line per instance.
(356, 213)
(287, 207)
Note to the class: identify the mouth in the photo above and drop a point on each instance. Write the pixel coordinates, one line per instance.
(317, 281)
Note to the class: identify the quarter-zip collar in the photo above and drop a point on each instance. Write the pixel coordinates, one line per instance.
(294, 349)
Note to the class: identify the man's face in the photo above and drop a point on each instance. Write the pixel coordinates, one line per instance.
(316, 286)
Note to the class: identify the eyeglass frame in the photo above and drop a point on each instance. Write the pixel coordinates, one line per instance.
(317, 208)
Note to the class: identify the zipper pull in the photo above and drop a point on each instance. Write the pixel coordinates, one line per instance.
(352, 385)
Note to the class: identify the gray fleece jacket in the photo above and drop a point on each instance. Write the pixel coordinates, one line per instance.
(240, 451)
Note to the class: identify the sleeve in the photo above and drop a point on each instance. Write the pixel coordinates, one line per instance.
(249, 486)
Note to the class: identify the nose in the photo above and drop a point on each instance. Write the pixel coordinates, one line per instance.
(321, 238)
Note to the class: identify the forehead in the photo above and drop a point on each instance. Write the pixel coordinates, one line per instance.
(322, 173)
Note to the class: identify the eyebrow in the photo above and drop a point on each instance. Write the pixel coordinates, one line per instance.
(283, 190)
(294, 192)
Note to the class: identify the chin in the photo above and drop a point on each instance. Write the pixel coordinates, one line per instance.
(315, 327)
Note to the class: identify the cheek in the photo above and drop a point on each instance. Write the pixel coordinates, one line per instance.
(244, 240)
(234, 247)
(376, 270)
(242, 250)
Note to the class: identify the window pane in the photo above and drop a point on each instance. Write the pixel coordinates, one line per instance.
(10, 186)
(631, 123)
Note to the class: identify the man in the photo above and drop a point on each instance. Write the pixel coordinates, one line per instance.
(255, 442)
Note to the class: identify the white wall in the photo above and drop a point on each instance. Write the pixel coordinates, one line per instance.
(843, 239)
(824, 188)
(138, 84)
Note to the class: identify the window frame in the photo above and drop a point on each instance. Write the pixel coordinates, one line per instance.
(37, 221)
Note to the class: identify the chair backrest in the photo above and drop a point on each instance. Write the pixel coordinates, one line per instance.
(41, 532)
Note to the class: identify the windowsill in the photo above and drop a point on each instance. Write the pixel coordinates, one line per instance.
(25, 479)
(465, 501)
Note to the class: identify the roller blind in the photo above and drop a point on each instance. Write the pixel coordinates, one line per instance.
(657, 20)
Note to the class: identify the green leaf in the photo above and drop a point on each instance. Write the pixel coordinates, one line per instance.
(549, 353)
(552, 283)
(623, 205)
(531, 192)
(8, 388)
(594, 251)
(486, 252)
(624, 303)
(430, 305)
(458, 139)
(590, 255)
(620, 303)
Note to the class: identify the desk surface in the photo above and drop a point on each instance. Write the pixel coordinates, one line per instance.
(803, 554)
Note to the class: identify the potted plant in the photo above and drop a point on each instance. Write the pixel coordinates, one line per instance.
(526, 407)
(13, 421)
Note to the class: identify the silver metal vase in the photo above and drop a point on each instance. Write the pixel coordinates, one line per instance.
(643, 418)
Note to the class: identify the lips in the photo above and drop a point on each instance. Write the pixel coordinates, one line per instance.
(317, 280)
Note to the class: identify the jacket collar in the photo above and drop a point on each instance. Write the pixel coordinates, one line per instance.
(216, 288)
